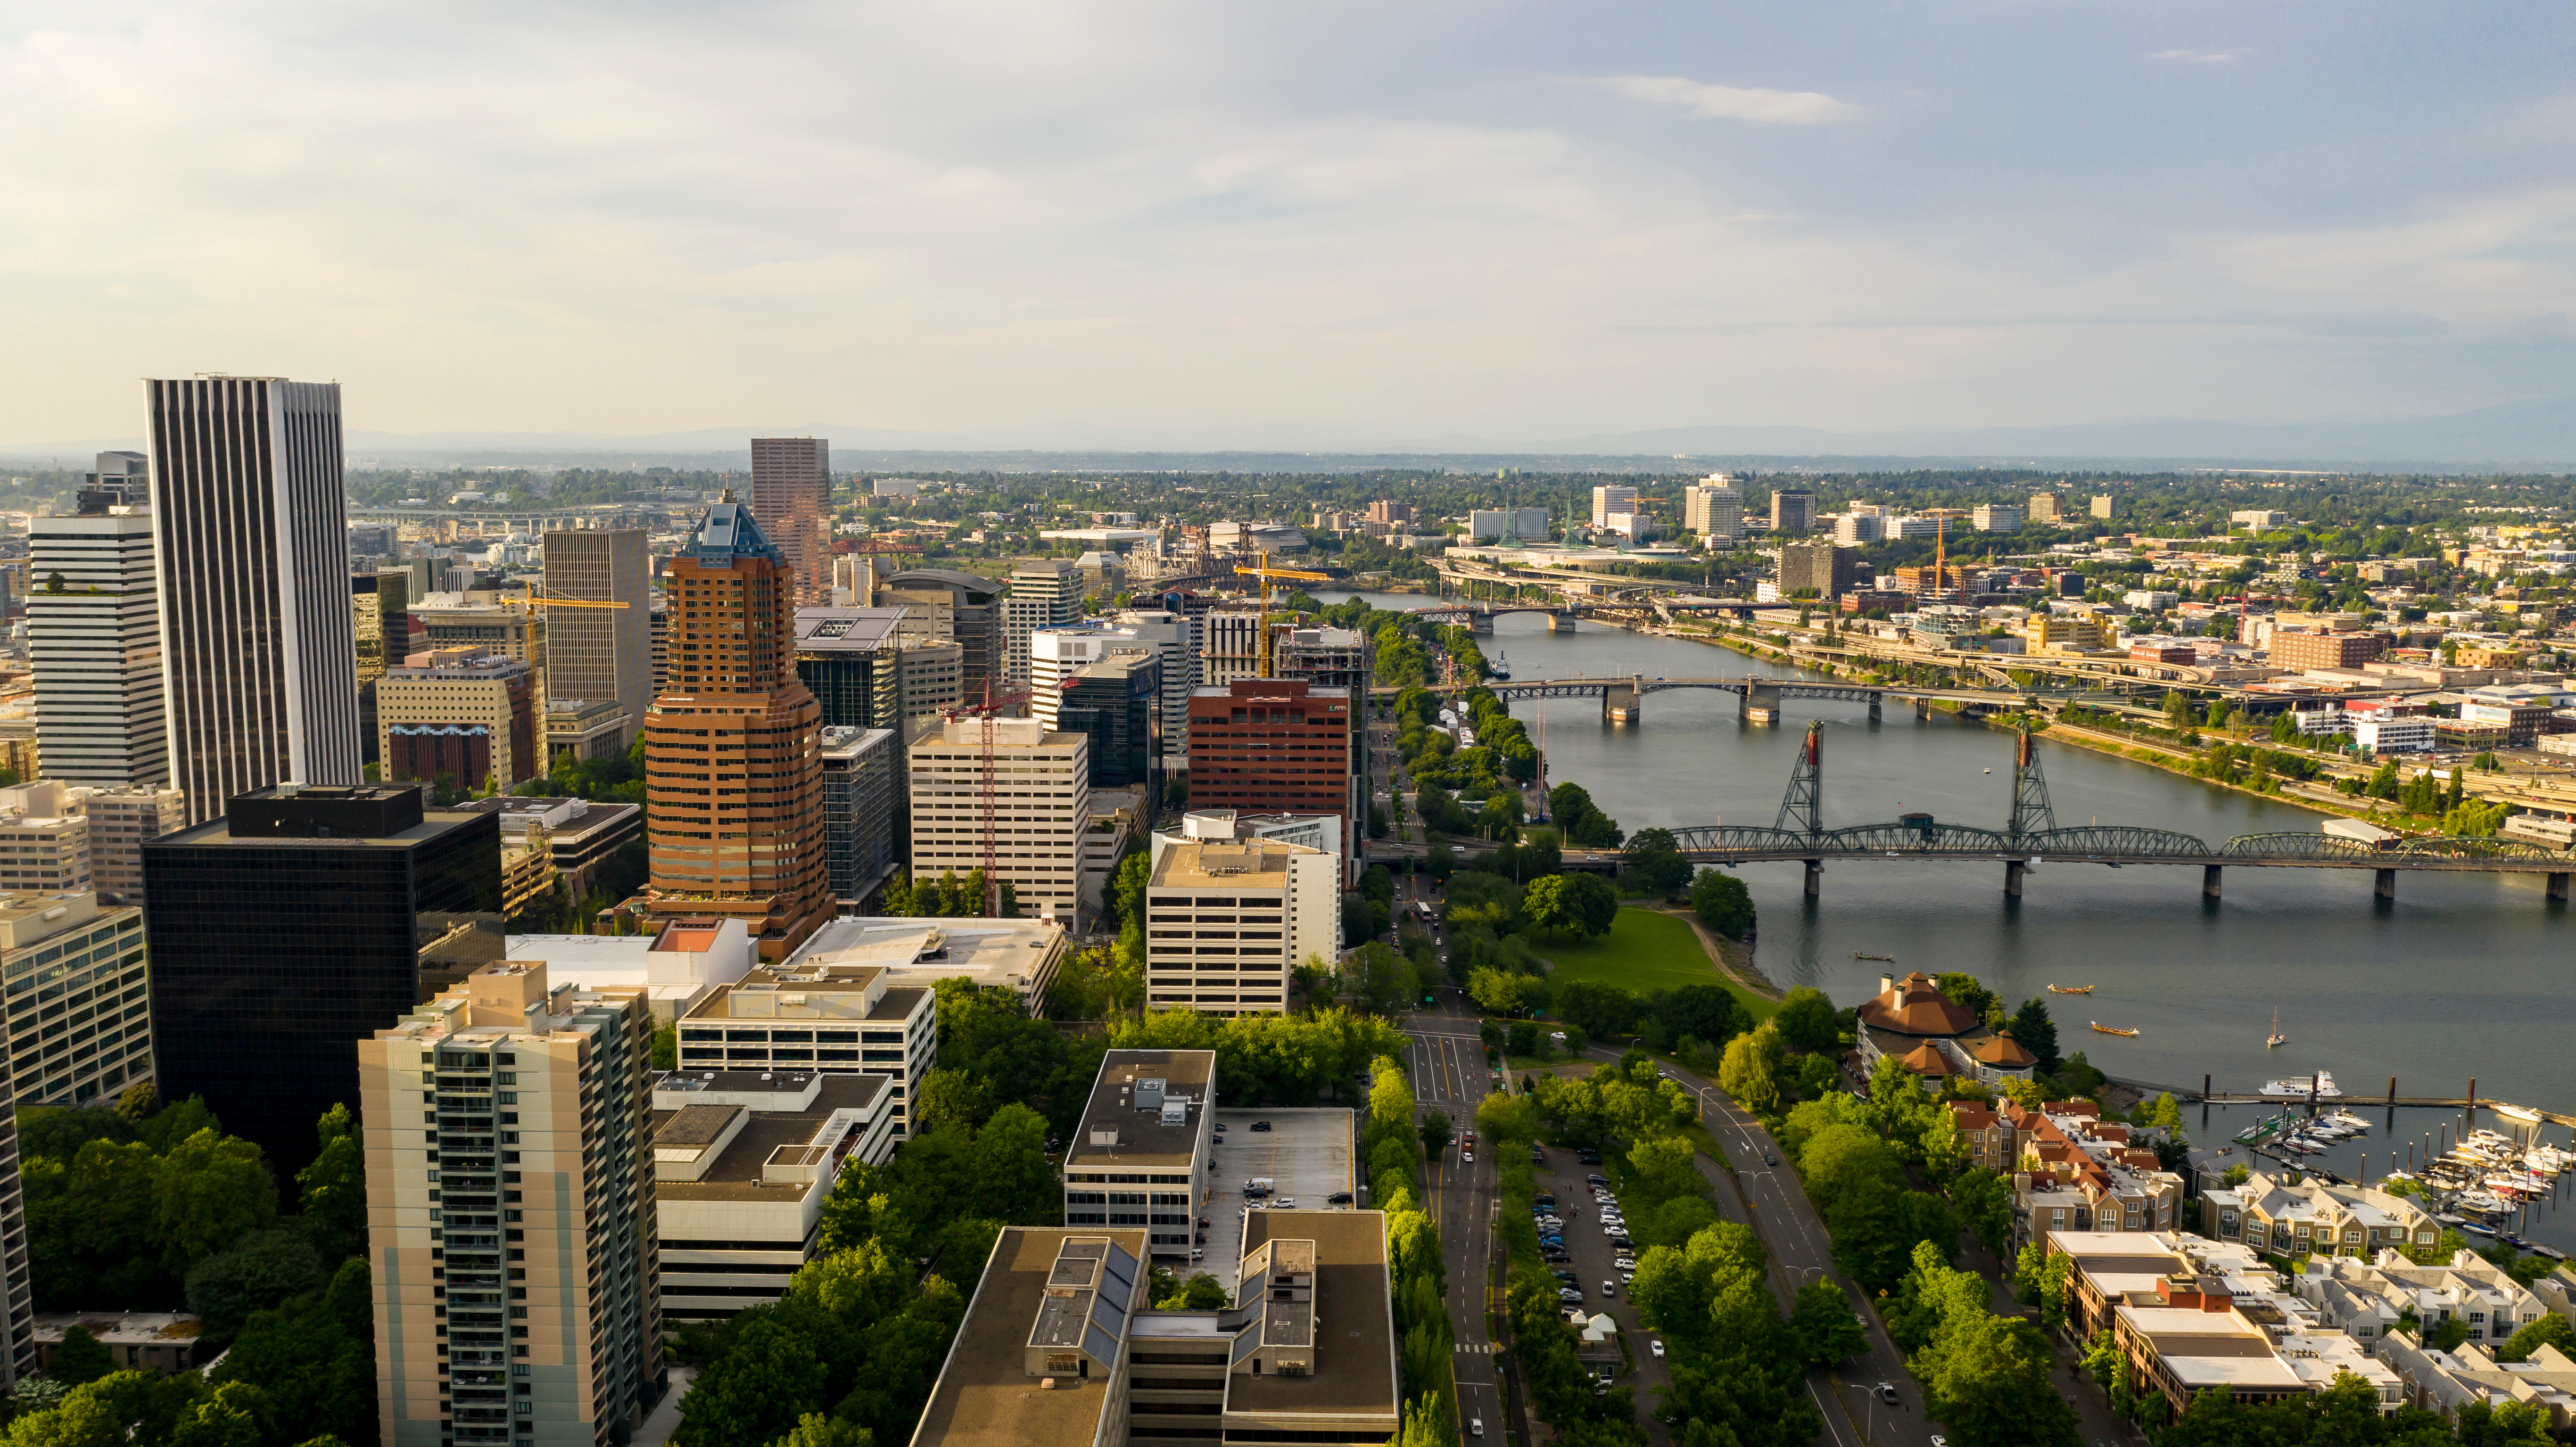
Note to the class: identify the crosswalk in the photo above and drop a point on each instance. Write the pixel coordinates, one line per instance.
(1476, 1348)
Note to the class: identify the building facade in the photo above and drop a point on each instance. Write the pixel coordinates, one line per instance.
(250, 523)
(2314, 1218)
(601, 654)
(94, 636)
(1117, 701)
(380, 613)
(1821, 568)
(121, 822)
(1229, 647)
(44, 840)
(840, 1019)
(1045, 593)
(1040, 805)
(298, 923)
(862, 775)
(469, 721)
(959, 607)
(1612, 501)
(791, 491)
(1793, 510)
(1714, 509)
(742, 1162)
(1275, 746)
(1226, 924)
(78, 1000)
(512, 1233)
(1140, 1156)
(2325, 650)
(734, 789)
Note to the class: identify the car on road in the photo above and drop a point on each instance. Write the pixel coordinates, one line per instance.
(1887, 1393)
(1658, 1345)
(1261, 1125)
(1468, 1156)
(1476, 1427)
(1609, 1287)
(1769, 1159)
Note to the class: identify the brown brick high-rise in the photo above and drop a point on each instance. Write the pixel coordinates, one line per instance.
(1275, 746)
(733, 761)
(791, 490)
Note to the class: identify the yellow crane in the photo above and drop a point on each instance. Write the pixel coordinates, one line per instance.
(533, 601)
(1265, 573)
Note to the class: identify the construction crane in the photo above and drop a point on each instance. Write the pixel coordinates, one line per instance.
(1265, 573)
(993, 702)
(533, 601)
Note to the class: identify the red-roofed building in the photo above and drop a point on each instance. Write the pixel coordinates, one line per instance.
(2078, 1172)
(1912, 1020)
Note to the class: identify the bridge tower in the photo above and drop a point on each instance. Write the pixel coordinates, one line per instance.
(1803, 807)
(2030, 811)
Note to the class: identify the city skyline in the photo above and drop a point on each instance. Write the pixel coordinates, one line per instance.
(1162, 229)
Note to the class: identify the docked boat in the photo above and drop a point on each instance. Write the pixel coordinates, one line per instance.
(2300, 1087)
(2070, 989)
(2479, 1227)
(2351, 1122)
(2447, 1219)
(2522, 1113)
(2552, 1252)
(2101, 1029)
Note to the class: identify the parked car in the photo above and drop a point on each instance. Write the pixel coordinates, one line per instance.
(1658, 1345)
(1598, 1180)
(1261, 1125)
(1286, 1203)
(1220, 1127)
(1339, 1198)
(1570, 1296)
(1609, 1287)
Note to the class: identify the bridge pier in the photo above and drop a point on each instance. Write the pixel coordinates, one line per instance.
(1623, 703)
(2014, 869)
(2386, 887)
(1560, 622)
(2209, 881)
(2558, 887)
(1874, 700)
(1761, 703)
(1923, 708)
(1815, 878)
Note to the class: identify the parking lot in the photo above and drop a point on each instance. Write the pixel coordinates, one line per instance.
(1307, 1154)
(1594, 1260)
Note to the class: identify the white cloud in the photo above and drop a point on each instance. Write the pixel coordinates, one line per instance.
(1765, 107)
(2197, 57)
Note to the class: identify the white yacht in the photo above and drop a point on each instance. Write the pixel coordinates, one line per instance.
(2298, 1086)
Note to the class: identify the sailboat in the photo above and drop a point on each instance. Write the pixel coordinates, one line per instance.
(2276, 1038)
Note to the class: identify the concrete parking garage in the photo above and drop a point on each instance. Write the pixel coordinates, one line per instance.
(1308, 1154)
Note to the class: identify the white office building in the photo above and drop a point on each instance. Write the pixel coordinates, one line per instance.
(94, 634)
(1226, 923)
(1523, 524)
(1611, 500)
(1045, 593)
(2375, 733)
(1714, 509)
(259, 651)
(1041, 803)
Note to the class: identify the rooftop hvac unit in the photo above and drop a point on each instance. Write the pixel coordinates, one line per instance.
(1149, 1094)
(1104, 1137)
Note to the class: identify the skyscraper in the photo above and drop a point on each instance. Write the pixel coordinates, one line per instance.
(293, 927)
(1045, 593)
(94, 636)
(258, 651)
(571, 1350)
(732, 748)
(791, 492)
(601, 654)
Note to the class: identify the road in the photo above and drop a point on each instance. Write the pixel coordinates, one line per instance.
(1770, 1198)
(1450, 1076)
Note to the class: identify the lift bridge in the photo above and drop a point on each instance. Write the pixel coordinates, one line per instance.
(2031, 836)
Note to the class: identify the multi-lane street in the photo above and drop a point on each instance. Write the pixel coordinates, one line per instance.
(1449, 1076)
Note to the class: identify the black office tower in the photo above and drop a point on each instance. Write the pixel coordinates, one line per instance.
(302, 922)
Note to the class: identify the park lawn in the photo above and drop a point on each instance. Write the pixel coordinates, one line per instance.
(1645, 950)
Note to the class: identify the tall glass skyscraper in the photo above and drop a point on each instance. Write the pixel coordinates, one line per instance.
(259, 660)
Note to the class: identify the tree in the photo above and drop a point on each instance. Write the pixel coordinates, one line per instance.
(1751, 1070)
(2037, 1033)
(1653, 860)
(2550, 1330)
(1591, 904)
(332, 1191)
(1806, 1021)
(950, 1094)
(262, 1269)
(1436, 1133)
(80, 1359)
(816, 1430)
(1722, 903)
(209, 1190)
(751, 1392)
(1825, 1327)
(1984, 1202)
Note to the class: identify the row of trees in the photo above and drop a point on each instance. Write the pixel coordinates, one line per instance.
(1392, 1145)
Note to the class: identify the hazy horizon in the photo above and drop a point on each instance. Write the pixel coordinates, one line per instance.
(1165, 227)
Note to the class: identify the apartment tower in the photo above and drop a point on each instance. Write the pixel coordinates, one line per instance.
(601, 655)
(516, 1296)
(259, 657)
(791, 491)
(94, 634)
(734, 794)
(1045, 593)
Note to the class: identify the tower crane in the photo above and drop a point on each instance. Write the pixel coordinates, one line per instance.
(1265, 573)
(994, 700)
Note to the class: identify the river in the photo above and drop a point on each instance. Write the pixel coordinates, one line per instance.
(2465, 975)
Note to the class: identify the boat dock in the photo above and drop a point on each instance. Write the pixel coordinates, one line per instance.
(2348, 1099)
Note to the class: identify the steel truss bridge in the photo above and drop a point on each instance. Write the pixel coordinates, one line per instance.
(1622, 698)
(2031, 836)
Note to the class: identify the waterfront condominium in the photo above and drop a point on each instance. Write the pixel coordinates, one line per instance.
(1045, 593)
(511, 1221)
(94, 634)
(258, 651)
(791, 491)
(294, 926)
(601, 655)
(732, 749)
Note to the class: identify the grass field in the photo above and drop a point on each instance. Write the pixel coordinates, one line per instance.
(1646, 950)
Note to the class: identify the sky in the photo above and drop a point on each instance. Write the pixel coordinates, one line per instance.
(1287, 225)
